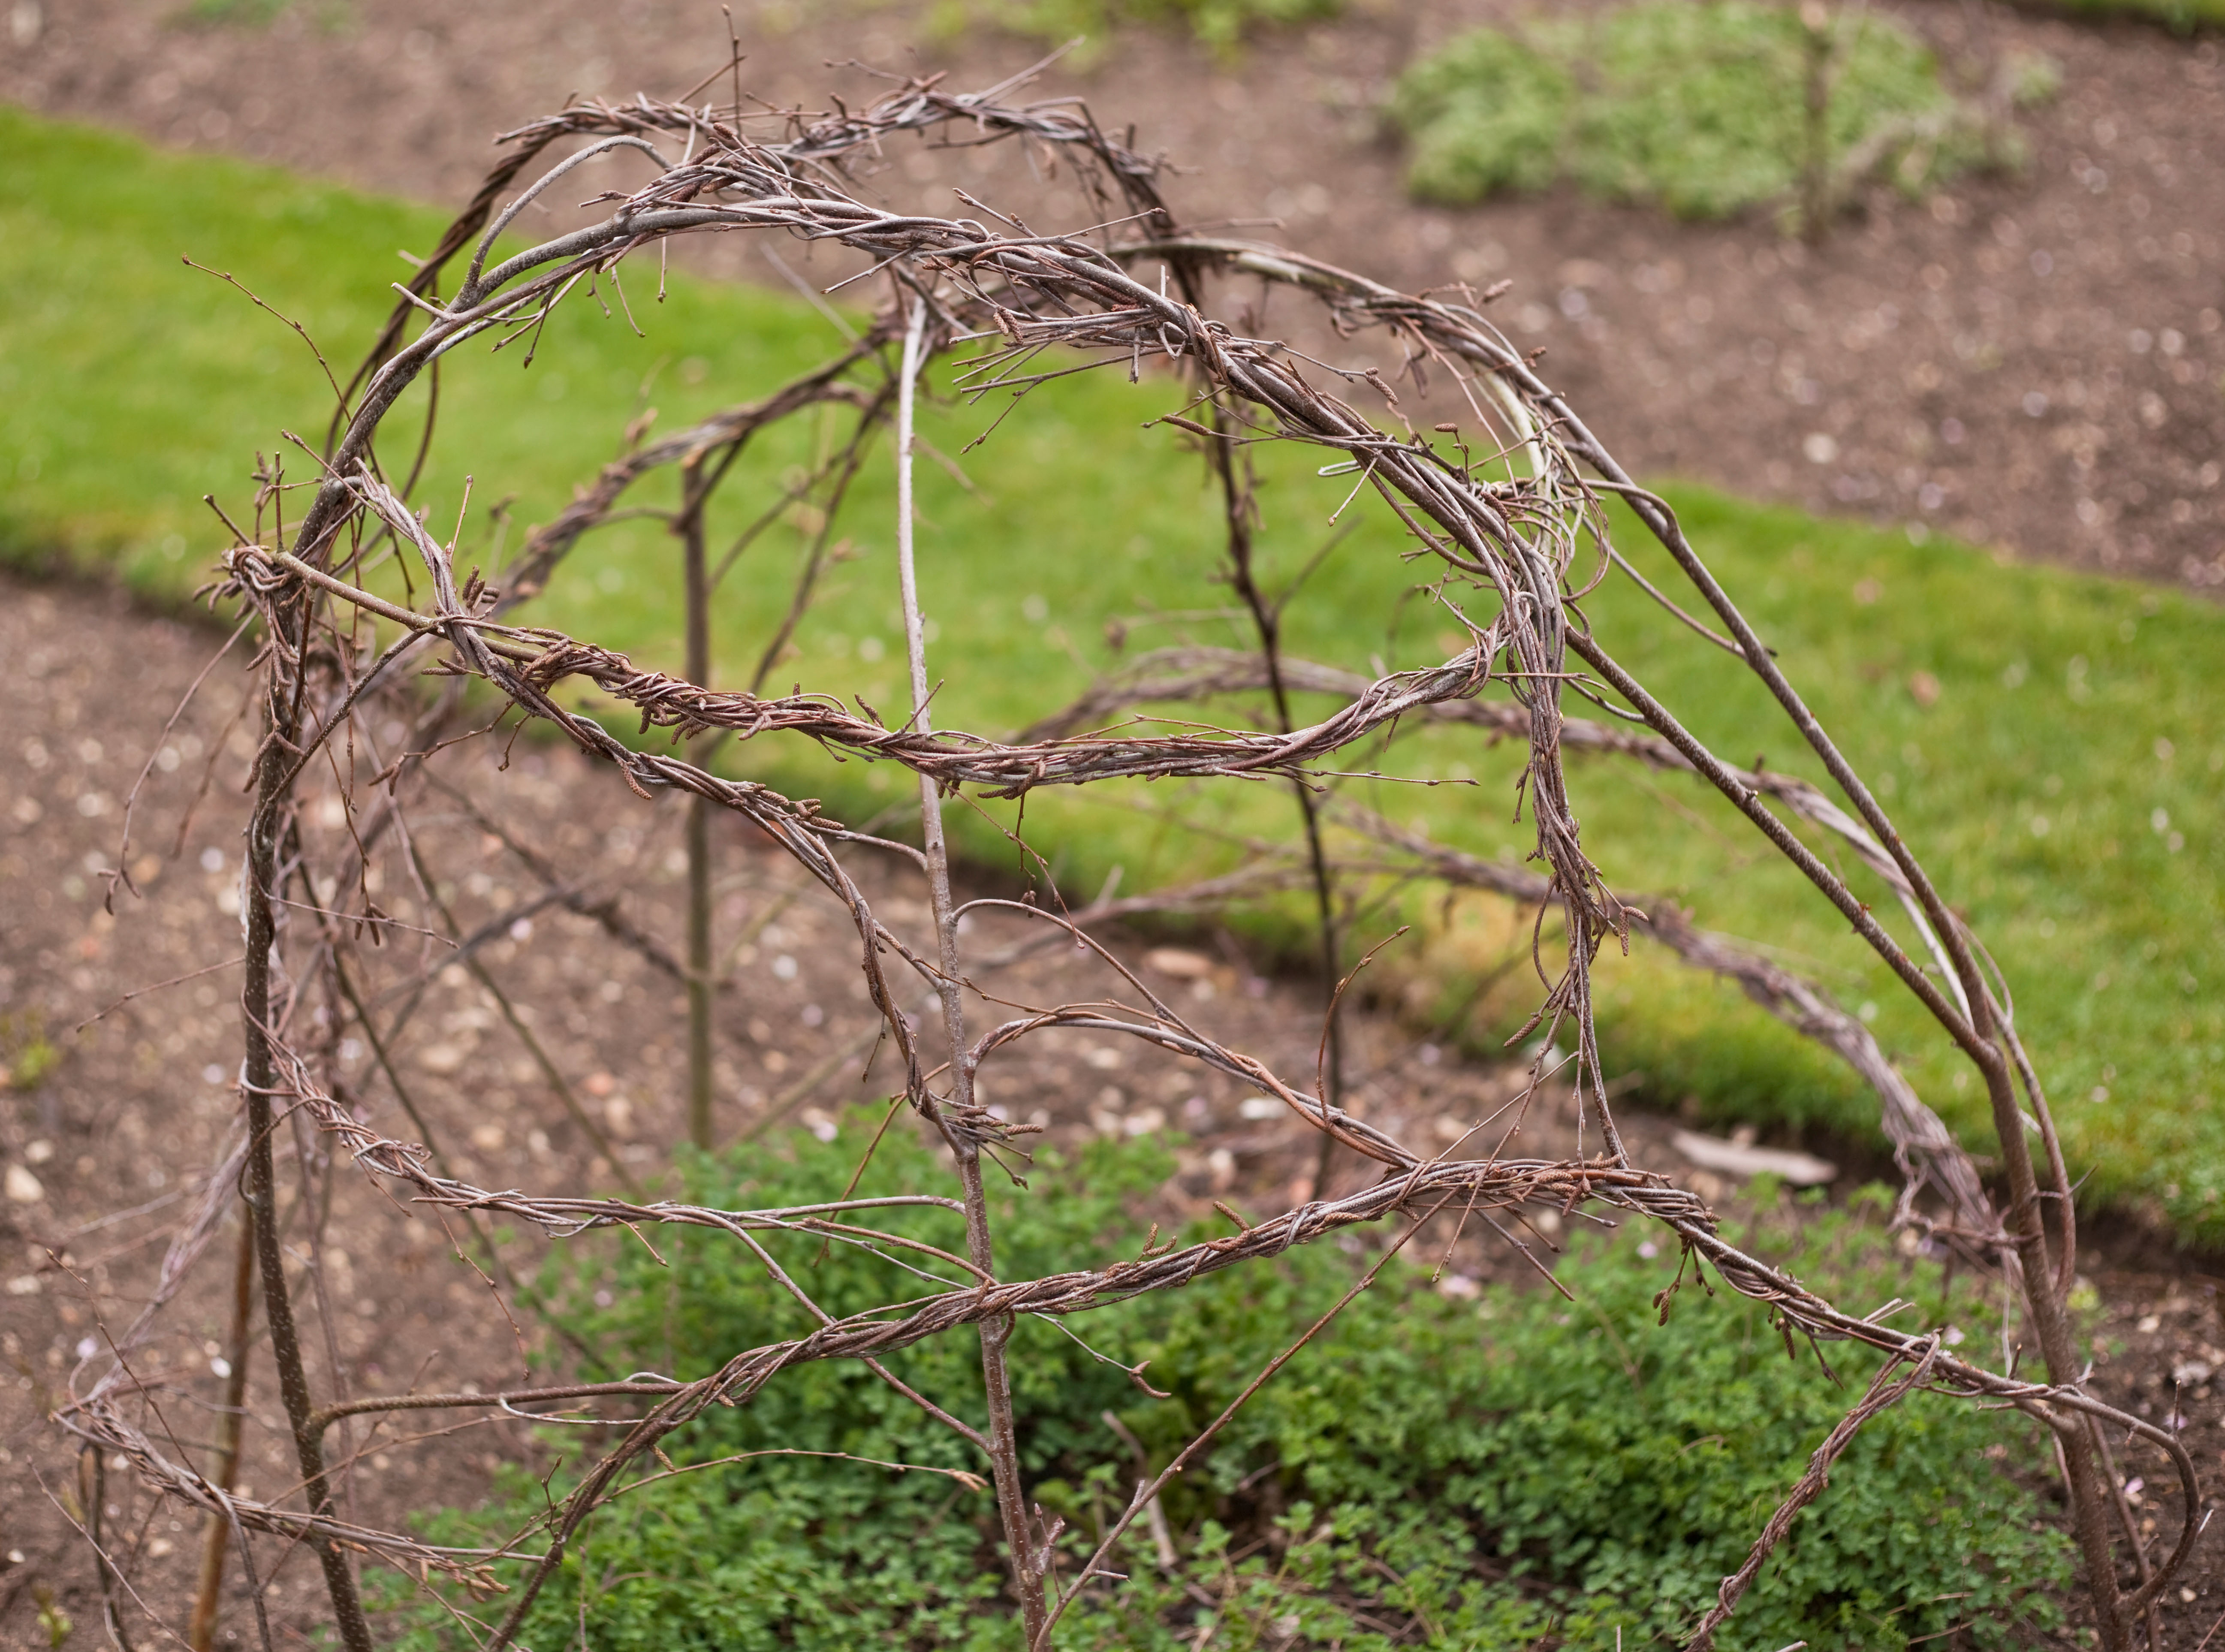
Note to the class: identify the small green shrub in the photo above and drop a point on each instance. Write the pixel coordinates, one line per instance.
(28, 1056)
(1487, 113)
(1700, 108)
(1511, 1472)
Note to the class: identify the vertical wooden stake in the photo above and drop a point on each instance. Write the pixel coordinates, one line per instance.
(996, 1333)
(200, 1631)
(699, 826)
(1815, 162)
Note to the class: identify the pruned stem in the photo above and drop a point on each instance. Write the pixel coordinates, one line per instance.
(1267, 621)
(273, 765)
(208, 1599)
(995, 1332)
(698, 598)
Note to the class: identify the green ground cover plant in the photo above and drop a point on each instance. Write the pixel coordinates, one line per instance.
(1505, 1471)
(1699, 108)
(2049, 740)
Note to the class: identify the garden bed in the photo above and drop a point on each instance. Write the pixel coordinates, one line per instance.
(129, 1113)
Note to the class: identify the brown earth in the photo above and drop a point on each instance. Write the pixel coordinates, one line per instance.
(2034, 362)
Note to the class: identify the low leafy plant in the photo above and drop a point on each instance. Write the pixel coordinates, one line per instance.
(1506, 1469)
(52, 1618)
(28, 1056)
(1700, 108)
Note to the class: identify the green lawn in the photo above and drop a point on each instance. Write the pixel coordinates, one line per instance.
(2182, 15)
(130, 385)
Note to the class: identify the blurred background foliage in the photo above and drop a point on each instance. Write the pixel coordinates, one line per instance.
(1703, 109)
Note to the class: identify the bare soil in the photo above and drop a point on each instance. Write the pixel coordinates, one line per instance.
(2034, 363)
(105, 1152)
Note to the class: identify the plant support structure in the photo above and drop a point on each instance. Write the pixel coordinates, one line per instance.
(1506, 533)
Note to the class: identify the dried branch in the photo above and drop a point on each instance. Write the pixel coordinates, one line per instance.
(1885, 1388)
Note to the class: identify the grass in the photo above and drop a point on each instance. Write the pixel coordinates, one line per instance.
(1485, 1470)
(131, 385)
(1220, 25)
(2064, 782)
(2184, 17)
(1700, 108)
